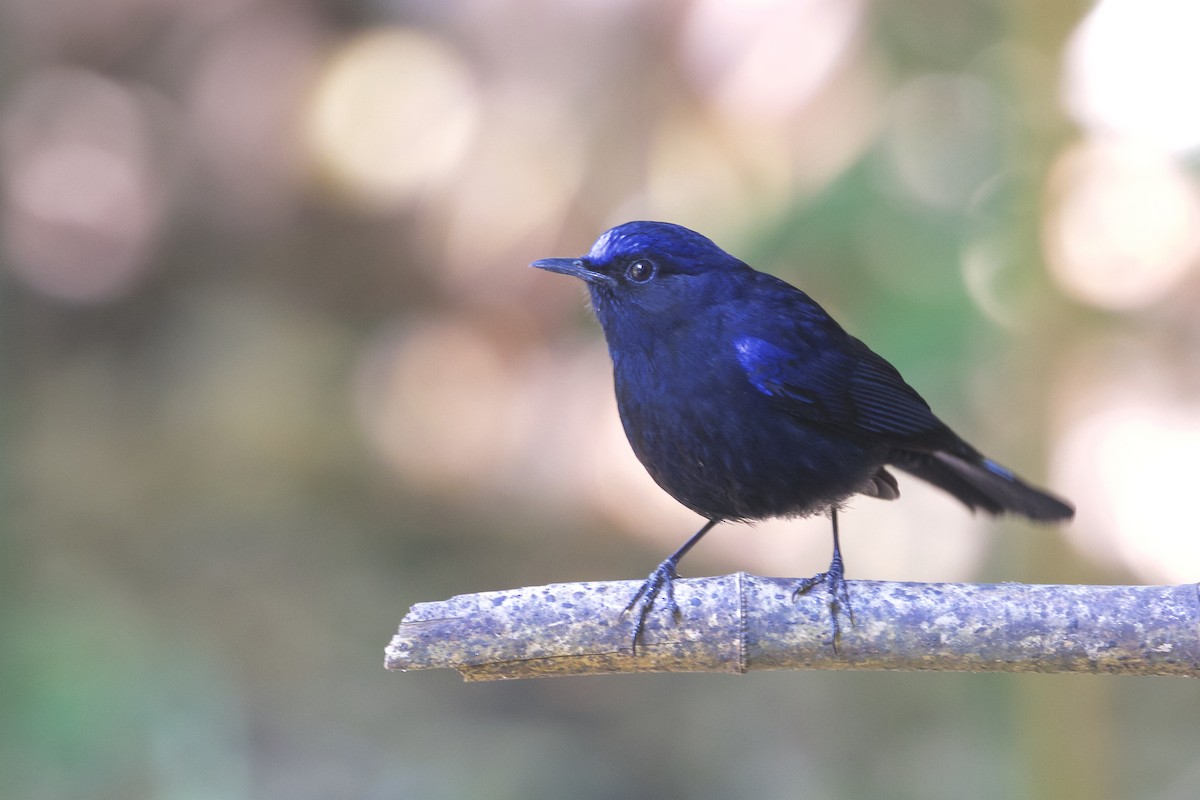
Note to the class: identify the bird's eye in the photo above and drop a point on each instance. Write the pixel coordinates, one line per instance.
(641, 271)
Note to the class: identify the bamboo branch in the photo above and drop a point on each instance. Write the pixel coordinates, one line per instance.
(742, 622)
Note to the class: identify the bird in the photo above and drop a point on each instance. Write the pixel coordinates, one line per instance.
(745, 400)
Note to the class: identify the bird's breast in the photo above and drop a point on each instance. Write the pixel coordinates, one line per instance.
(720, 446)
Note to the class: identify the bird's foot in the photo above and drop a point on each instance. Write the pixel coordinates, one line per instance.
(839, 595)
(662, 577)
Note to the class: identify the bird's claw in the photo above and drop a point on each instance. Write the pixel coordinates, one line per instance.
(839, 595)
(662, 577)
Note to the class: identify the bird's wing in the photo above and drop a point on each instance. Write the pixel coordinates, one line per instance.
(884, 401)
(844, 386)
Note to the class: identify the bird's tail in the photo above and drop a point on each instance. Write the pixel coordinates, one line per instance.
(980, 483)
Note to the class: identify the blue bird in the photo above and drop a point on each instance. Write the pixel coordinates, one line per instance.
(744, 399)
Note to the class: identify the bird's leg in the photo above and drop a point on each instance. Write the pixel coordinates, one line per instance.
(662, 577)
(835, 581)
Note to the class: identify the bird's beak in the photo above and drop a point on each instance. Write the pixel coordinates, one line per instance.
(572, 266)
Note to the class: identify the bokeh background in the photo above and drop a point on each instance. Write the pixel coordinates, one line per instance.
(274, 369)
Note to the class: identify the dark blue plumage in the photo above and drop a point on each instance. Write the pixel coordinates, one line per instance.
(745, 400)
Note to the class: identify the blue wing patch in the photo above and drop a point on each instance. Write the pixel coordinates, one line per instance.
(866, 393)
(767, 366)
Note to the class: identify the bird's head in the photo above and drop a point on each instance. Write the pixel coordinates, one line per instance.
(639, 273)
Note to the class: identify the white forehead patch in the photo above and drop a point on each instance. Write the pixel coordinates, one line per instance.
(606, 244)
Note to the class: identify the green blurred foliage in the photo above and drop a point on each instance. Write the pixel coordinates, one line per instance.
(204, 549)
